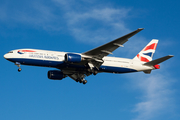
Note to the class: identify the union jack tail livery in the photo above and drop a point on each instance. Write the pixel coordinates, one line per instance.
(146, 54)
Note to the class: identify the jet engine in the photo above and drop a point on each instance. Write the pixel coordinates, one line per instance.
(73, 58)
(55, 75)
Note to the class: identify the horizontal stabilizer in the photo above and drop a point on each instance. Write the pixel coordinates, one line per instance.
(157, 61)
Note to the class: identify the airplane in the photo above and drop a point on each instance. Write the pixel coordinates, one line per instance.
(79, 65)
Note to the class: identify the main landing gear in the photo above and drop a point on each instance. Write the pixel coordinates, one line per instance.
(84, 81)
(92, 71)
(81, 81)
(18, 64)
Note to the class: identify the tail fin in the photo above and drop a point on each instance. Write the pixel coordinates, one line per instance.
(146, 54)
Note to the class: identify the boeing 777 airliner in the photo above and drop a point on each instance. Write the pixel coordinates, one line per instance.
(79, 65)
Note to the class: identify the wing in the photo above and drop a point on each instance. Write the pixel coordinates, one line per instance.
(94, 56)
(108, 48)
(92, 59)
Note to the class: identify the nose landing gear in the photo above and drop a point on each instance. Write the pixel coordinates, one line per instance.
(19, 70)
(18, 64)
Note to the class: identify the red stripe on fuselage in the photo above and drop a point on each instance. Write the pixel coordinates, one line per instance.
(26, 51)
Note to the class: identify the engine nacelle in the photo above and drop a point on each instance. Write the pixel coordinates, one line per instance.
(55, 75)
(73, 58)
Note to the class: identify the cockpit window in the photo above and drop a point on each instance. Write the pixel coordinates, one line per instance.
(10, 52)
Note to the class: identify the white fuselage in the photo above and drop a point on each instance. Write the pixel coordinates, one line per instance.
(55, 59)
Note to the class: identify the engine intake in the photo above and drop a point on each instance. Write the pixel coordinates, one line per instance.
(73, 58)
(55, 75)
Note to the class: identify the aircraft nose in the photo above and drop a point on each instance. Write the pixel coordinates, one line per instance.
(6, 56)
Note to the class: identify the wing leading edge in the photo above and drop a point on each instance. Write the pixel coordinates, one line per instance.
(108, 48)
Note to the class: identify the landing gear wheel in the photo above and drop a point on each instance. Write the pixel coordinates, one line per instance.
(19, 70)
(80, 80)
(84, 82)
(95, 72)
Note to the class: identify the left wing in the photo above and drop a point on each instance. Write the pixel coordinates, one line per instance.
(94, 56)
(108, 48)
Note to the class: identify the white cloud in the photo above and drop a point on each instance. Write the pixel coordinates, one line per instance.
(92, 25)
(104, 15)
(98, 25)
(156, 99)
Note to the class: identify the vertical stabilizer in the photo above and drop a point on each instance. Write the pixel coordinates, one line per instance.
(146, 54)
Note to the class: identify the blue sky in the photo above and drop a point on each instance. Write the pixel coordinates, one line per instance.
(78, 26)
